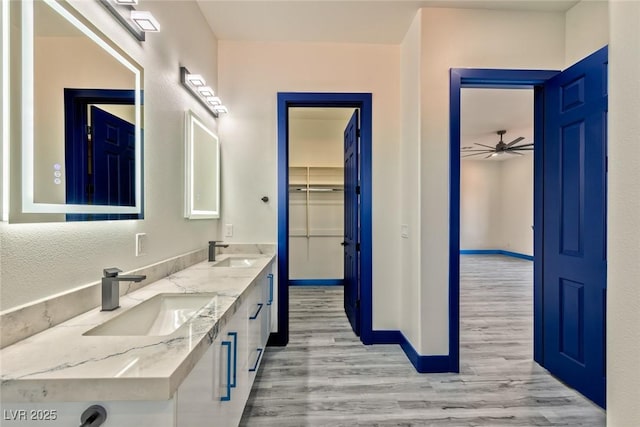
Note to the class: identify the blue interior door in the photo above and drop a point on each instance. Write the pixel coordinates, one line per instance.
(574, 276)
(113, 159)
(351, 226)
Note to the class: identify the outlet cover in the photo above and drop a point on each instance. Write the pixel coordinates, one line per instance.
(404, 231)
(141, 244)
(228, 230)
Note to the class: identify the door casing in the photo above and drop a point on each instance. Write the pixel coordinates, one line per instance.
(363, 101)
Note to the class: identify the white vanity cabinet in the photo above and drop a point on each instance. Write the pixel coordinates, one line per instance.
(217, 389)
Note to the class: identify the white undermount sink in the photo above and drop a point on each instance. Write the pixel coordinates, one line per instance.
(240, 262)
(160, 315)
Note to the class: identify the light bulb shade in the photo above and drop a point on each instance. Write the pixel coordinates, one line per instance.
(129, 2)
(196, 80)
(145, 21)
(220, 109)
(213, 100)
(206, 91)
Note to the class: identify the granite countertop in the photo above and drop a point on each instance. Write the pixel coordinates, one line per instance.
(62, 364)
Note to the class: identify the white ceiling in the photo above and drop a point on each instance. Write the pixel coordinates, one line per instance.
(484, 111)
(352, 21)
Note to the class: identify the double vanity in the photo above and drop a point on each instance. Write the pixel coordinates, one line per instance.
(181, 351)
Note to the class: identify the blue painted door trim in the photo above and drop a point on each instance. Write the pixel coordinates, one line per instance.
(363, 101)
(503, 79)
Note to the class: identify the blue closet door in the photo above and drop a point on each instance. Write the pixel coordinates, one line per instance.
(351, 227)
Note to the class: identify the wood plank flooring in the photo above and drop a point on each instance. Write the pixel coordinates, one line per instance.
(327, 377)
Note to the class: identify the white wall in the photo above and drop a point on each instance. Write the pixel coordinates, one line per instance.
(623, 239)
(409, 256)
(516, 205)
(250, 75)
(316, 142)
(39, 260)
(480, 204)
(496, 204)
(463, 38)
(587, 29)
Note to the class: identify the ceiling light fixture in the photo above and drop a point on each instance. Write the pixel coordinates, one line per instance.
(196, 85)
(129, 2)
(145, 21)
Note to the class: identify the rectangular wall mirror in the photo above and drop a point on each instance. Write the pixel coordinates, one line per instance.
(202, 170)
(76, 110)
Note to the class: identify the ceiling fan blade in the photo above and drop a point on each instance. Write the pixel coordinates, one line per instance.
(523, 145)
(482, 145)
(513, 152)
(520, 149)
(515, 141)
(476, 154)
(490, 155)
(471, 151)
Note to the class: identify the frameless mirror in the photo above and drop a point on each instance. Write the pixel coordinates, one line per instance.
(80, 125)
(202, 170)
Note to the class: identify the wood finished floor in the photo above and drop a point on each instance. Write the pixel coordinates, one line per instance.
(326, 377)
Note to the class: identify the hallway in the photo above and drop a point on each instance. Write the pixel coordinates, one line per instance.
(326, 377)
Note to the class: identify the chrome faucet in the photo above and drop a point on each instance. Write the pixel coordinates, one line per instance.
(110, 288)
(212, 249)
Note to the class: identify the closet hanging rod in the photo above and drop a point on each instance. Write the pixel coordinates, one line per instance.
(317, 189)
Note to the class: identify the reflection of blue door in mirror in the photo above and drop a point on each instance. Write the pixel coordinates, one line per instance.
(99, 151)
(112, 160)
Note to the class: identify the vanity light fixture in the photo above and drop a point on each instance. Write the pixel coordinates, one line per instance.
(145, 21)
(196, 80)
(121, 10)
(206, 91)
(196, 85)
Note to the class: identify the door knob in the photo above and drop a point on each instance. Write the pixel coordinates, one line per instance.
(344, 244)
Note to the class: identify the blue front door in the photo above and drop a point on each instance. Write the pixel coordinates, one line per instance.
(351, 230)
(575, 266)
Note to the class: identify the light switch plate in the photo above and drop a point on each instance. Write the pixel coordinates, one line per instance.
(404, 231)
(141, 244)
(228, 230)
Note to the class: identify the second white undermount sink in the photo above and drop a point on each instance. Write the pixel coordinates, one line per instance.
(160, 315)
(241, 262)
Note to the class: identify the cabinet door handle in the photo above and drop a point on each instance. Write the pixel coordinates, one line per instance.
(235, 357)
(270, 276)
(255, 316)
(228, 396)
(255, 366)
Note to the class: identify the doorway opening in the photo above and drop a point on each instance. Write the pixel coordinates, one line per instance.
(358, 289)
(569, 274)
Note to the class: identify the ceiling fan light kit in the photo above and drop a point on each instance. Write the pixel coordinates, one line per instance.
(500, 149)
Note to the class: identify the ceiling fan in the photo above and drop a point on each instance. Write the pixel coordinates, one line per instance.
(500, 148)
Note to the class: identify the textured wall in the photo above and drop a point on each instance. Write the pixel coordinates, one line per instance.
(251, 75)
(623, 240)
(39, 260)
(463, 38)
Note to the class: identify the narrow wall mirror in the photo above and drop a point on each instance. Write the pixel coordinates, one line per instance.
(202, 170)
(77, 99)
